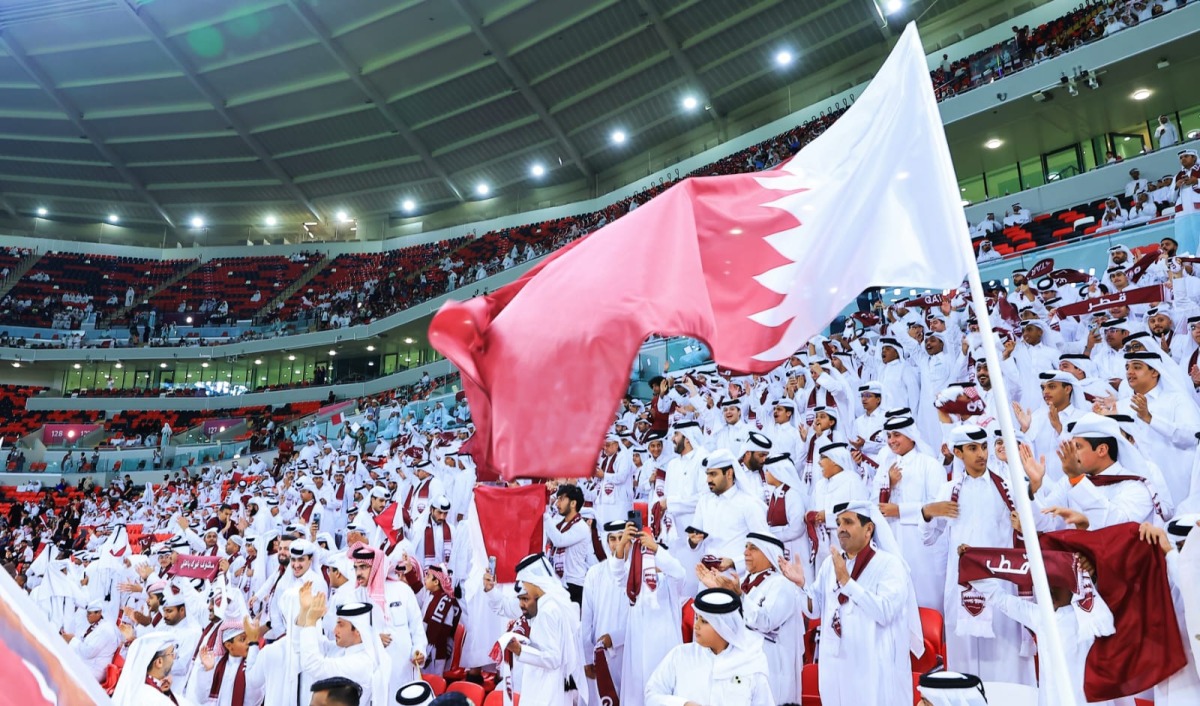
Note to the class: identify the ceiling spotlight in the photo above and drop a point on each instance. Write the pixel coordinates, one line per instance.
(483, 189)
(113, 218)
(162, 365)
(204, 365)
(1093, 83)
(618, 137)
(332, 352)
(891, 7)
(42, 211)
(1141, 94)
(118, 366)
(77, 366)
(408, 205)
(537, 170)
(291, 357)
(370, 349)
(784, 58)
(271, 220)
(1072, 89)
(408, 340)
(342, 216)
(258, 361)
(16, 363)
(197, 222)
(690, 103)
(993, 144)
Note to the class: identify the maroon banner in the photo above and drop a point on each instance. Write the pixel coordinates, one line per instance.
(1139, 268)
(979, 563)
(1062, 277)
(928, 300)
(966, 403)
(865, 318)
(1140, 295)
(1040, 269)
(196, 567)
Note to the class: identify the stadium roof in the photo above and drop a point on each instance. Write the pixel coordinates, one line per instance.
(159, 111)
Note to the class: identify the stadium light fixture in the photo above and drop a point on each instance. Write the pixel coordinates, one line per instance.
(42, 211)
(690, 103)
(993, 144)
(1141, 94)
(197, 222)
(408, 205)
(537, 170)
(483, 189)
(271, 221)
(784, 57)
(618, 137)
(342, 216)
(113, 218)
(891, 7)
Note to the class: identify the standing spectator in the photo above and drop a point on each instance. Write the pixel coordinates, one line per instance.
(1165, 132)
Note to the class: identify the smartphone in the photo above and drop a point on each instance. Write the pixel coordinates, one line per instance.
(492, 566)
(636, 518)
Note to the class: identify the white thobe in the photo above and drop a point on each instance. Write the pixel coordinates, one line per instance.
(1170, 437)
(605, 612)
(691, 673)
(1183, 687)
(921, 479)
(728, 518)
(983, 521)
(684, 486)
(96, 649)
(773, 610)
(551, 656)
(406, 625)
(843, 487)
(869, 663)
(321, 659)
(1104, 506)
(654, 627)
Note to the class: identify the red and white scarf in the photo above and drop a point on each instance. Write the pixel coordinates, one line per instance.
(643, 572)
(447, 543)
(558, 555)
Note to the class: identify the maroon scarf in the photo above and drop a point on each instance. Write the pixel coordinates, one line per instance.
(633, 583)
(239, 682)
(860, 564)
(447, 543)
(604, 681)
(748, 585)
(777, 508)
(419, 491)
(441, 620)
(1101, 481)
(1002, 489)
(558, 554)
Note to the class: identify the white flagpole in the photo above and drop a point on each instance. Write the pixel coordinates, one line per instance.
(1050, 645)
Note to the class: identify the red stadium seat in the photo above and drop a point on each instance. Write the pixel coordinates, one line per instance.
(496, 698)
(472, 691)
(689, 619)
(810, 694)
(437, 683)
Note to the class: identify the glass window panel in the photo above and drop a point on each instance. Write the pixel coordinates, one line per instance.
(1031, 173)
(1003, 182)
(1062, 164)
(1189, 121)
(972, 189)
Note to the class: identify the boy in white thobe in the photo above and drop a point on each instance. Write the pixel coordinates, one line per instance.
(605, 615)
(725, 664)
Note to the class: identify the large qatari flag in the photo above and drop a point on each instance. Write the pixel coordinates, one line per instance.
(752, 264)
(37, 667)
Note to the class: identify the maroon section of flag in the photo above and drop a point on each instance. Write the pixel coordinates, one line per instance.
(1131, 577)
(511, 522)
